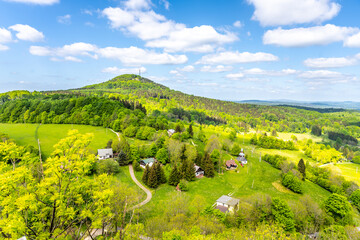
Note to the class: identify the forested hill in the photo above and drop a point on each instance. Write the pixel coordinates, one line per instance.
(86, 106)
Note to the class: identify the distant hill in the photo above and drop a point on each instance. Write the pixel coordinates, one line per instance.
(331, 106)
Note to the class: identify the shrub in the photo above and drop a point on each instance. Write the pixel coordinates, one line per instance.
(183, 185)
(293, 183)
(108, 166)
(339, 208)
(355, 198)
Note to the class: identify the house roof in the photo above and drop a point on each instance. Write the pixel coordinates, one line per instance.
(105, 152)
(231, 163)
(198, 169)
(148, 160)
(221, 208)
(171, 131)
(228, 200)
(241, 159)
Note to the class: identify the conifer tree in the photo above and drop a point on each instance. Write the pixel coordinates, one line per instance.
(152, 179)
(174, 177)
(145, 175)
(183, 169)
(162, 178)
(302, 169)
(209, 167)
(122, 158)
(182, 153)
(190, 171)
(190, 130)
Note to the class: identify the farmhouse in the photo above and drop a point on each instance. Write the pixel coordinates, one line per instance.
(105, 153)
(170, 132)
(241, 158)
(227, 204)
(147, 161)
(231, 164)
(199, 172)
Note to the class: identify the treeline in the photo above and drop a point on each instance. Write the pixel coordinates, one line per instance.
(270, 142)
(344, 137)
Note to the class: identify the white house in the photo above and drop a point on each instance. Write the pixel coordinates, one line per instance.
(227, 204)
(199, 172)
(105, 153)
(241, 158)
(171, 132)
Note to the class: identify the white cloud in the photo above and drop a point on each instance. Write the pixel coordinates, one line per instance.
(237, 57)
(5, 37)
(66, 19)
(330, 62)
(197, 39)
(118, 17)
(259, 71)
(188, 68)
(128, 56)
(235, 76)
(119, 71)
(27, 33)
(3, 47)
(218, 68)
(158, 79)
(67, 52)
(137, 4)
(301, 37)
(37, 2)
(237, 24)
(159, 32)
(319, 77)
(353, 41)
(288, 12)
(136, 56)
(165, 3)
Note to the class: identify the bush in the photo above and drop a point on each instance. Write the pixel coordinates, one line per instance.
(356, 159)
(108, 166)
(339, 209)
(355, 198)
(334, 232)
(293, 183)
(183, 185)
(136, 166)
(283, 214)
(275, 160)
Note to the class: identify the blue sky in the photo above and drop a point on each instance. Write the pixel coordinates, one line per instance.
(231, 50)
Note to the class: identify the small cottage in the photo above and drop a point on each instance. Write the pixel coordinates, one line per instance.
(170, 132)
(199, 172)
(231, 164)
(227, 204)
(105, 153)
(241, 158)
(147, 161)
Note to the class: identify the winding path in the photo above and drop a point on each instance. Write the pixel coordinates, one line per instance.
(147, 191)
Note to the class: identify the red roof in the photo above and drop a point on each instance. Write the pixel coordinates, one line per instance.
(231, 163)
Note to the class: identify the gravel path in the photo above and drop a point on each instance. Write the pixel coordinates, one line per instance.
(147, 191)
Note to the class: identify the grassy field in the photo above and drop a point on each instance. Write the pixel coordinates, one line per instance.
(50, 134)
(350, 171)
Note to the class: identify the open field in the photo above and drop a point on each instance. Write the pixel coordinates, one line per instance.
(50, 134)
(350, 171)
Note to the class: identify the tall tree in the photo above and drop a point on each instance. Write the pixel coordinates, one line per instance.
(153, 178)
(174, 177)
(208, 167)
(190, 130)
(302, 169)
(122, 159)
(190, 171)
(145, 175)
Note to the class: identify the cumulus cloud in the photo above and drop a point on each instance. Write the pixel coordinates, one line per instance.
(137, 4)
(330, 62)
(27, 33)
(5, 37)
(320, 77)
(66, 19)
(353, 41)
(36, 2)
(197, 39)
(259, 71)
(237, 57)
(188, 68)
(288, 12)
(119, 71)
(165, 3)
(237, 24)
(160, 32)
(216, 69)
(301, 37)
(136, 56)
(235, 76)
